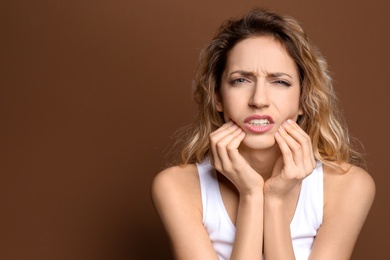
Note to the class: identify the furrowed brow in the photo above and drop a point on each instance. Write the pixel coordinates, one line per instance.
(244, 73)
(278, 74)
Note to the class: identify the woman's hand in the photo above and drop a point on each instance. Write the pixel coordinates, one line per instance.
(227, 160)
(295, 163)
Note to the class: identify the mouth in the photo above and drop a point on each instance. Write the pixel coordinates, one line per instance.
(259, 123)
(259, 120)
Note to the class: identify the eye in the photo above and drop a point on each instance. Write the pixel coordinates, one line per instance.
(238, 81)
(282, 82)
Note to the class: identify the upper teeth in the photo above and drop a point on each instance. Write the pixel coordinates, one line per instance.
(259, 122)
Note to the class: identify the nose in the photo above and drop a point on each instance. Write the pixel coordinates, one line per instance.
(260, 96)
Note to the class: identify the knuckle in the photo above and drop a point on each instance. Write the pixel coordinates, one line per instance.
(230, 147)
(287, 153)
(298, 148)
(226, 168)
(220, 145)
(295, 147)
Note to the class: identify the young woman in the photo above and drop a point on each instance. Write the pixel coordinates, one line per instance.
(267, 169)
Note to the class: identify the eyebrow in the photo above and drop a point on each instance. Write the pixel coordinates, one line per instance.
(278, 74)
(243, 72)
(269, 75)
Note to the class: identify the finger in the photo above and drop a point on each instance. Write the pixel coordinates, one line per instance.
(291, 169)
(221, 133)
(284, 149)
(295, 131)
(214, 138)
(228, 144)
(222, 128)
(232, 148)
(220, 143)
(293, 145)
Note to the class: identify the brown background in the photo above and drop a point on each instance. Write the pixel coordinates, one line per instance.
(91, 91)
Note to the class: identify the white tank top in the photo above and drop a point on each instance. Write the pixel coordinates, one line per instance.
(304, 225)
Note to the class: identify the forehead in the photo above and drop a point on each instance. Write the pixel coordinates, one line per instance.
(261, 54)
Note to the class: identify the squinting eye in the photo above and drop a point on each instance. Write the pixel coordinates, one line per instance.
(282, 82)
(238, 81)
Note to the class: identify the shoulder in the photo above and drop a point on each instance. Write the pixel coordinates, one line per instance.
(175, 186)
(176, 177)
(177, 198)
(352, 180)
(355, 186)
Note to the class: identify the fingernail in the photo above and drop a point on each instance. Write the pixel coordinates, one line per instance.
(287, 123)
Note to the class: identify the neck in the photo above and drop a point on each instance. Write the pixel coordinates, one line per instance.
(262, 161)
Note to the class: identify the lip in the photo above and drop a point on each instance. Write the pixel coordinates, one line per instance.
(259, 129)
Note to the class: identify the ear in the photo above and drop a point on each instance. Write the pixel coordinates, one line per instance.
(300, 111)
(218, 103)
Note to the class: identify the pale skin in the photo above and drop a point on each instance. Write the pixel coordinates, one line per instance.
(260, 174)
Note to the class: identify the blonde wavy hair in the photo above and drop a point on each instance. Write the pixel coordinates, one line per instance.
(321, 119)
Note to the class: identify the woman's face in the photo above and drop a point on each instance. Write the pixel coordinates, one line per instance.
(260, 89)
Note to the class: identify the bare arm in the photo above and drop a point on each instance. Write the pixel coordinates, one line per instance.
(224, 142)
(179, 207)
(176, 195)
(295, 163)
(348, 199)
(248, 243)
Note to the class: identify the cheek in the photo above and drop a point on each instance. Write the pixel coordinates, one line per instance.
(233, 106)
(228, 106)
(228, 114)
(289, 108)
(294, 111)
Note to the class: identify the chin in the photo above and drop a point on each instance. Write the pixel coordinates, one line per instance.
(259, 142)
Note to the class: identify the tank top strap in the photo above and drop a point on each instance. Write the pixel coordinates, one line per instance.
(308, 213)
(215, 217)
